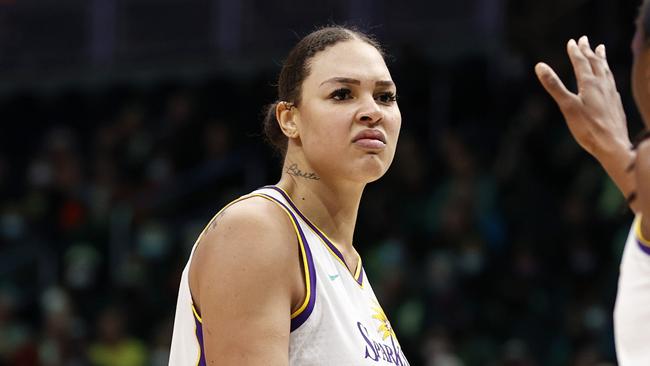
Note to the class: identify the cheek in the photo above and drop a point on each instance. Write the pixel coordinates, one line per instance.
(326, 128)
(394, 124)
(641, 87)
(640, 76)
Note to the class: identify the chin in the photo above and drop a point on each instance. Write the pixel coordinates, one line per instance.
(371, 169)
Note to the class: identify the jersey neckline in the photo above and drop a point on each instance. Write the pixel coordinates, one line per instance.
(358, 272)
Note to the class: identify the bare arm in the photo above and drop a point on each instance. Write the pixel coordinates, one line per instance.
(642, 175)
(245, 278)
(595, 114)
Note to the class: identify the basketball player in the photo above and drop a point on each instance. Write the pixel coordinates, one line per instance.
(274, 279)
(596, 119)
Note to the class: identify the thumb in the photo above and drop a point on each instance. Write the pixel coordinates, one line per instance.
(553, 85)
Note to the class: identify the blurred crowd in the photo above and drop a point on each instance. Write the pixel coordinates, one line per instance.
(102, 196)
(492, 240)
(488, 243)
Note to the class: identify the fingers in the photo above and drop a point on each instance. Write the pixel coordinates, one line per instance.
(600, 51)
(596, 62)
(581, 65)
(554, 86)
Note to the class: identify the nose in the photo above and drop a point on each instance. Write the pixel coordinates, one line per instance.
(370, 113)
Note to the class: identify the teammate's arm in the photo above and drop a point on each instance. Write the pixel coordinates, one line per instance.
(595, 114)
(642, 174)
(245, 276)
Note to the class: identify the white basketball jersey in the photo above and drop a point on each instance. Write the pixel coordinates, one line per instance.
(339, 323)
(632, 310)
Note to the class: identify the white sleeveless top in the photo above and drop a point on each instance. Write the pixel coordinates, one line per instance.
(632, 310)
(339, 323)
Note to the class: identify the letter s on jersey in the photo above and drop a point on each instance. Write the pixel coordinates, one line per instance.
(369, 346)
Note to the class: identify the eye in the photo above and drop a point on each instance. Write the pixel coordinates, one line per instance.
(341, 94)
(386, 97)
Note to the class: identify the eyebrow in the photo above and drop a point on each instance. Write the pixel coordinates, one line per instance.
(343, 80)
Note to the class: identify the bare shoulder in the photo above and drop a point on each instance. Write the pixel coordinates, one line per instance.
(243, 280)
(253, 222)
(253, 237)
(257, 211)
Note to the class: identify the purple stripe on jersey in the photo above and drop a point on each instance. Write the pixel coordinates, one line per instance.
(644, 248)
(302, 317)
(316, 230)
(360, 279)
(199, 338)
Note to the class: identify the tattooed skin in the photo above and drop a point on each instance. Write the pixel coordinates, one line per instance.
(213, 225)
(293, 170)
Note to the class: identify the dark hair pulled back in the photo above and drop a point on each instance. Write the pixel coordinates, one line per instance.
(295, 70)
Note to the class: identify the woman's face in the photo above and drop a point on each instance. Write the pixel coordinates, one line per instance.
(348, 119)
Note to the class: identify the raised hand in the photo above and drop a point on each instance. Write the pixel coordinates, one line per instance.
(595, 114)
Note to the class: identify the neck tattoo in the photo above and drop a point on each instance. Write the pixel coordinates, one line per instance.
(293, 170)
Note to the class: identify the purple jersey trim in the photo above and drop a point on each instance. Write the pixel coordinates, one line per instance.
(644, 248)
(199, 338)
(360, 279)
(304, 315)
(318, 232)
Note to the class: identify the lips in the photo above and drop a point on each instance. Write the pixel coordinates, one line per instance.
(370, 135)
(370, 140)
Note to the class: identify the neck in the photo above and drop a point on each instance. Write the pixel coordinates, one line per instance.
(331, 206)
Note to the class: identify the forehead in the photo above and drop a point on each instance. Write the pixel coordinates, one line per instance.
(355, 59)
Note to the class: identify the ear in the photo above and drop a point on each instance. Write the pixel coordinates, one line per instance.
(286, 114)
